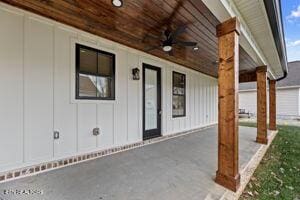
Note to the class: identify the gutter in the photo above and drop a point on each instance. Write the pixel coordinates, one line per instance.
(277, 88)
(273, 8)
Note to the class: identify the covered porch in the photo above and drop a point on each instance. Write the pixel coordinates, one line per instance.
(179, 168)
(220, 39)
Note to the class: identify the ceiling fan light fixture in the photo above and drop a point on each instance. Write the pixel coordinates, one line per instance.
(117, 3)
(167, 48)
(196, 48)
(215, 62)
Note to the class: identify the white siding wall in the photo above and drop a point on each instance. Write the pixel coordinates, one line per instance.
(287, 101)
(37, 59)
(299, 101)
(247, 101)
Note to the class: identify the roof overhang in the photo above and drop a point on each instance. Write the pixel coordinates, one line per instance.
(262, 38)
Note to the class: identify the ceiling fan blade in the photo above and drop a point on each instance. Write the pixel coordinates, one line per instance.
(152, 48)
(189, 44)
(178, 31)
(170, 19)
(167, 33)
(167, 21)
(152, 37)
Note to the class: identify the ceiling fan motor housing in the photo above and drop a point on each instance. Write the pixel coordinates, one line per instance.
(171, 39)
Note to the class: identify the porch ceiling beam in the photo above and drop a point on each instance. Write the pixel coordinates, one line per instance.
(228, 166)
(247, 77)
(262, 136)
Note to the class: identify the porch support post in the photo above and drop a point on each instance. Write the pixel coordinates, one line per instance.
(272, 105)
(262, 136)
(227, 174)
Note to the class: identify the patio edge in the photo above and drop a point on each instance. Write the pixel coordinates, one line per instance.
(248, 170)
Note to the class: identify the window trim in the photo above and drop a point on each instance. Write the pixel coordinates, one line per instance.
(184, 95)
(78, 71)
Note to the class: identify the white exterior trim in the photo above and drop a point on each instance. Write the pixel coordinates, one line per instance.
(224, 9)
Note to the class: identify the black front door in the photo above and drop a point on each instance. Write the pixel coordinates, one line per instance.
(151, 101)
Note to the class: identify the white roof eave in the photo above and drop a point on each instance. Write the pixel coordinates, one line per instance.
(225, 9)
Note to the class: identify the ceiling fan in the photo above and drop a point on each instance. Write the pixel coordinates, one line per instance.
(170, 39)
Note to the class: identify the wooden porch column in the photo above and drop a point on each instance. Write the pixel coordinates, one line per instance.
(262, 136)
(227, 174)
(272, 105)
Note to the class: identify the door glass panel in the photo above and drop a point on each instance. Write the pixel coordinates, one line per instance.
(150, 99)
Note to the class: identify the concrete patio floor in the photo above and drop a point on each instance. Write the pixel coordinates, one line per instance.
(178, 168)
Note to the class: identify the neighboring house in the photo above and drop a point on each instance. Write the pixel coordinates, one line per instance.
(288, 94)
(79, 77)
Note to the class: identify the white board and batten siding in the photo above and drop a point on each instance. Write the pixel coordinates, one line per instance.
(37, 86)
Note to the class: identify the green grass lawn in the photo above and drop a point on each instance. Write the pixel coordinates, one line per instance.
(278, 175)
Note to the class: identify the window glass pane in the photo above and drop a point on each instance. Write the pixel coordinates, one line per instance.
(87, 60)
(178, 80)
(87, 86)
(104, 86)
(105, 64)
(178, 90)
(95, 74)
(178, 105)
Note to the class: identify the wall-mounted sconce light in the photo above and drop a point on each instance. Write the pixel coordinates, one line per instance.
(136, 74)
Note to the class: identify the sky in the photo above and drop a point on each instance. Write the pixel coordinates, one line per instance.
(291, 20)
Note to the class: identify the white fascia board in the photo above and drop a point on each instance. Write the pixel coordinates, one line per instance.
(225, 9)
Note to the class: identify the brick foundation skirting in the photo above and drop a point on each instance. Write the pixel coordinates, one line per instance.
(47, 166)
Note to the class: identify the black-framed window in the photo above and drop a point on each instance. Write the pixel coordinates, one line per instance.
(95, 74)
(178, 95)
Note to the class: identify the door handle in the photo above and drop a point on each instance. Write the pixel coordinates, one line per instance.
(159, 112)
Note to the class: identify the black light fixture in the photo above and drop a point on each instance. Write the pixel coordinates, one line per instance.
(136, 74)
(117, 3)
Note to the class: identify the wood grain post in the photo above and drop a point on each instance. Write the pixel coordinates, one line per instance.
(227, 174)
(272, 105)
(262, 134)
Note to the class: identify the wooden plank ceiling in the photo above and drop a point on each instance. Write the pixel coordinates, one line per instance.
(130, 24)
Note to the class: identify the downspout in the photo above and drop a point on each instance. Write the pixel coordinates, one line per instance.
(285, 73)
